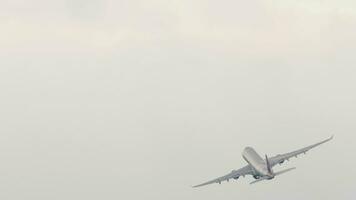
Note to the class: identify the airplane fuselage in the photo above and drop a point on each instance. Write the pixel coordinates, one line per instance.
(258, 164)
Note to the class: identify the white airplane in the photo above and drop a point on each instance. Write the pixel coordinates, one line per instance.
(259, 168)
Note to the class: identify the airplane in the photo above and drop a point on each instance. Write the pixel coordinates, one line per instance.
(259, 168)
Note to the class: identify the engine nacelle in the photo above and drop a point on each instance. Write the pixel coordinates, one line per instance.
(256, 176)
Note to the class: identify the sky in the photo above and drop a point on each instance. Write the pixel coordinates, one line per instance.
(111, 99)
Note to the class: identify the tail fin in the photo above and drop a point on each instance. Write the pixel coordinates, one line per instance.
(269, 168)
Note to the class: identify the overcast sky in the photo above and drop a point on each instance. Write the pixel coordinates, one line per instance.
(110, 99)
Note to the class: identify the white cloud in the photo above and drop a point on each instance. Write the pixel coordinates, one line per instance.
(262, 26)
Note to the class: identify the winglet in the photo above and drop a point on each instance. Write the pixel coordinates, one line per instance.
(330, 138)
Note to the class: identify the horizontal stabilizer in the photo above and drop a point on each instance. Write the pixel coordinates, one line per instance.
(258, 180)
(275, 174)
(284, 171)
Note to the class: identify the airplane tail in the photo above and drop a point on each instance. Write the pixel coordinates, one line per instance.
(275, 174)
(269, 168)
(284, 171)
(258, 180)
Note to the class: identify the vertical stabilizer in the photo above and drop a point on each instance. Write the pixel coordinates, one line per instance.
(269, 168)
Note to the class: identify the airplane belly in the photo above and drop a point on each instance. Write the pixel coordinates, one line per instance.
(252, 158)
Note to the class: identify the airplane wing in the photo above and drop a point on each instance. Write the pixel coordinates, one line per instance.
(234, 174)
(282, 157)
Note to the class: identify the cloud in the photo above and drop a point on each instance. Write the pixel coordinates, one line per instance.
(254, 28)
